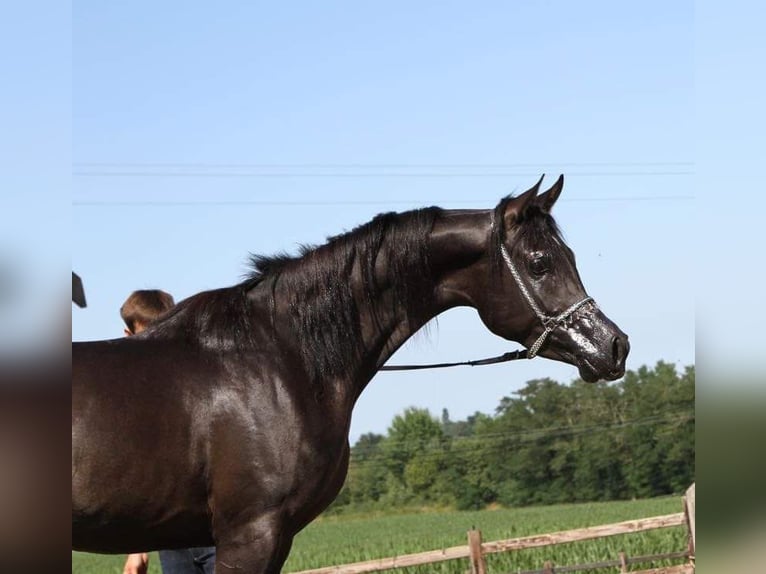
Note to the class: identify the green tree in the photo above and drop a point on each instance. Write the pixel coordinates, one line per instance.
(653, 405)
(366, 479)
(412, 433)
(547, 443)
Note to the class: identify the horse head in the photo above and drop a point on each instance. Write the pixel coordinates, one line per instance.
(532, 269)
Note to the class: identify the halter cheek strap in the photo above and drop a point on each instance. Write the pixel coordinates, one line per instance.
(549, 323)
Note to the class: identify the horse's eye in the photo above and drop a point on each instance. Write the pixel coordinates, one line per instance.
(540, 265)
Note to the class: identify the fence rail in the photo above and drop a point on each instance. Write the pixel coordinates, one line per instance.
(475, 550)
(622, 563)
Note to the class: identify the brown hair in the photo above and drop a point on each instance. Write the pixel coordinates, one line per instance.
(144, 306)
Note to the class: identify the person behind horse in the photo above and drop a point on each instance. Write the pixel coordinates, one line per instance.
(139, 310)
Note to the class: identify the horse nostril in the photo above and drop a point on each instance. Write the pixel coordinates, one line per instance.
(620, 347)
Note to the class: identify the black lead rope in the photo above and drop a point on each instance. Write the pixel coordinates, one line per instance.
(504, 358)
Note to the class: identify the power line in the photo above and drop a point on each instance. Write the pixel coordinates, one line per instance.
(666, 415)
(489, 442)
(377, 170)
(403, 165)
(286, 170)
(329, 203)
(342, 175)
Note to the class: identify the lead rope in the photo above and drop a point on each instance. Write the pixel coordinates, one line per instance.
(505, 357)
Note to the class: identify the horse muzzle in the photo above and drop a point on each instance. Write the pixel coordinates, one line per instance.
(591, 342)
(605, 366)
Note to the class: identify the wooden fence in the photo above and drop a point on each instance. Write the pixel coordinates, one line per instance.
(475, 550)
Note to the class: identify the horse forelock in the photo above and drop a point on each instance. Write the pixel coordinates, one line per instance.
(536, 228)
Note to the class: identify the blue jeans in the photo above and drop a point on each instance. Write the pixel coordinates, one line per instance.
(188, 561)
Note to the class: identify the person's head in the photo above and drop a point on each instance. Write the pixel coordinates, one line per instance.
(143, 307)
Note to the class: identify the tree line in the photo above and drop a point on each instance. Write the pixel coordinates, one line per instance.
(548, 443)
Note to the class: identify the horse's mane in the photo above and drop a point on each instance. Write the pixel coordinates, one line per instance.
(323, 311)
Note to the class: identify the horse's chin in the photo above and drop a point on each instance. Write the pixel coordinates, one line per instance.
(591, 369)
(592, 374)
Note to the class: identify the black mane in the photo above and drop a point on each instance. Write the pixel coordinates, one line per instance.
(322, 308)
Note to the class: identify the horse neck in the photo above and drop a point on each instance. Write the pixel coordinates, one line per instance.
(457, 247)
(343, 345)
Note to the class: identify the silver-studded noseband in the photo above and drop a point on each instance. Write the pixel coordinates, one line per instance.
(549, 323)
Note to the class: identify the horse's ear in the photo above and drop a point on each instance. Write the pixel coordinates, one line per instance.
(547, 199)
(517, 207)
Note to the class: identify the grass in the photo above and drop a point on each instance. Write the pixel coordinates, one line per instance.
(84, 563)
(342, 539)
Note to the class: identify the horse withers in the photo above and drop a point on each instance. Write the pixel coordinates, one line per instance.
(227, 421)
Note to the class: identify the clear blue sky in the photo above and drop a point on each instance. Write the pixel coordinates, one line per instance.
(203, 132)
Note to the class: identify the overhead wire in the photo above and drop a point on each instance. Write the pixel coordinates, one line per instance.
(331, 203)
(490, 442)
(207, 170)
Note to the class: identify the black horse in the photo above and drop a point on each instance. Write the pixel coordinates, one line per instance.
(227, 421)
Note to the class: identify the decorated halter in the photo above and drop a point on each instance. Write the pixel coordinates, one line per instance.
(549, 323)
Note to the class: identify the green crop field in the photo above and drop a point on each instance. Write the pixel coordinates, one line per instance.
(341, 539)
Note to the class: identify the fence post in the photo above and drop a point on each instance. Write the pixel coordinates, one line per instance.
(478, 565)
(548, 567)
(690, 510)
(623, 563)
